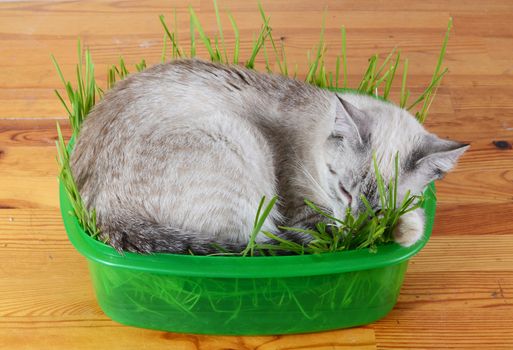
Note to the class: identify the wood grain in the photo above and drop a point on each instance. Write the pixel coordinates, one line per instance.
(117, 337)
(458, 292)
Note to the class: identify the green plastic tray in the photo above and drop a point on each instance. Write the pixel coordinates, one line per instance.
(245, 295)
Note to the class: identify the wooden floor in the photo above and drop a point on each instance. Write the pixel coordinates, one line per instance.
(458, 292)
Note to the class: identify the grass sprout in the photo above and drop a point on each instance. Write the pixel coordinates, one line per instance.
(172, 36)
(368, 229)
(82, 98)
(257, 227)
(80, 102)
(430, 92)
(85, 217)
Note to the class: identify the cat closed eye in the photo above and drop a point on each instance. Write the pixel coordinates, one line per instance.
(336, 137)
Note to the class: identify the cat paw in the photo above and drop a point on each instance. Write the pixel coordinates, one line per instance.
(409, 229)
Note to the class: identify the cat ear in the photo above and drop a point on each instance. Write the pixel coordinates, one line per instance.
(438, 156)
(349, 121)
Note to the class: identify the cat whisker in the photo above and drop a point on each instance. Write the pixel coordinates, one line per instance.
(319, 190)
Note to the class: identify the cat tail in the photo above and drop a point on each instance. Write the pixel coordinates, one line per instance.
(140, 235)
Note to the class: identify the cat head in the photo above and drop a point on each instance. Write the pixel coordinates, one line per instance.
(362, 126)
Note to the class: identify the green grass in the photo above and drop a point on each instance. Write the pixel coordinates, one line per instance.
(369, 229)
(86, 218)
(82, 98)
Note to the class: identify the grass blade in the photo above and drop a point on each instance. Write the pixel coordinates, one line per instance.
(388, 85)
(164, 49)
(344, 58)
(220, 28)
(259, 222)
(172, 38)
(312, 71)
(204, 38)
(428, 94)
(404, 92)
(237, 39)
(428, 90)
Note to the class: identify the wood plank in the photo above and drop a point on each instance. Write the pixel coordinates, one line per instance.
(473, 219)
(31, 132)
(446, 309)
(27, 85)
(119, 337)
(456, 290)
(469, 253)
(460, 6)
(451, 329)
(490, 186)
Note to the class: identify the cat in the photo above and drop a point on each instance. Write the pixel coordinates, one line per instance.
(177, 158)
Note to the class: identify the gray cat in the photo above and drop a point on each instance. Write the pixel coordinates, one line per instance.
(178, 157)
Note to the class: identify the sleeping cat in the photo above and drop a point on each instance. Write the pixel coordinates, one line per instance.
(178, 157)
